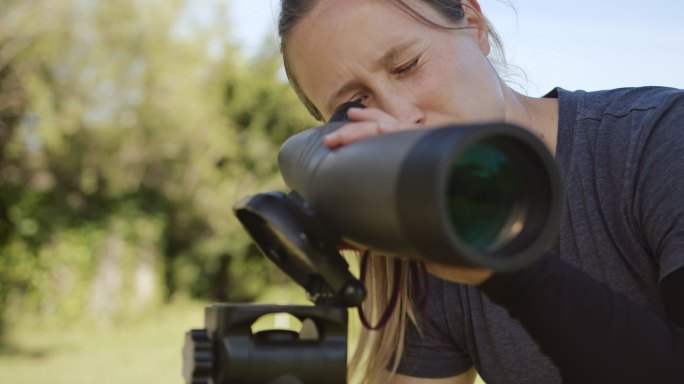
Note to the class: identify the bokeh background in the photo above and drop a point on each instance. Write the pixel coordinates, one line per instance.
(129, 129)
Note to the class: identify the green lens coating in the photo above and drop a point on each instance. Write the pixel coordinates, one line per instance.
(485, 195)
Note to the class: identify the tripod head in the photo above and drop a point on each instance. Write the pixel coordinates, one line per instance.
(228, 351)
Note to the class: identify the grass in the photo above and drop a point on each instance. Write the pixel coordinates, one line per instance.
(144, 351)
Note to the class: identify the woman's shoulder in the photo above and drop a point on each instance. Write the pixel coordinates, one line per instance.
(621, 102)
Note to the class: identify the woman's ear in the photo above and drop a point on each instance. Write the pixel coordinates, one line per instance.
(476, 20)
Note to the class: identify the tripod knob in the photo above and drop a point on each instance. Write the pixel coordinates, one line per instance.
(198, 357)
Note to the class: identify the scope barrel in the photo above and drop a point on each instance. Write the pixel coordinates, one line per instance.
(484, 195)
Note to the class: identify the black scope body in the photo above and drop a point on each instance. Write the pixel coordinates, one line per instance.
(484, 195)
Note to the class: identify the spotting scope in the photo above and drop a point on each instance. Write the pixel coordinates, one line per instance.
(485, 195)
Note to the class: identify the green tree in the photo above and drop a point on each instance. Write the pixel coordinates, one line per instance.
(129, 129)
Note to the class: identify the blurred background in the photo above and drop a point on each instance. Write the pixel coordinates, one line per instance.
(129, 129)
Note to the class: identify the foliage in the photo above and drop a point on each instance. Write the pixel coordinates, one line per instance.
(128, 130)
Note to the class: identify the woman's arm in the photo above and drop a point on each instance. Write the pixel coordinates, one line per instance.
(672, 289)
(592, 334)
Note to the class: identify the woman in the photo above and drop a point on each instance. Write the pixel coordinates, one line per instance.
(605, 300)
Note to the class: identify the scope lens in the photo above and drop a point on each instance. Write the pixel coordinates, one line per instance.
(486, 195)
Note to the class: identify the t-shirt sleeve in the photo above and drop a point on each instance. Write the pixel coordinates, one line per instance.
(659, 200)
(433, 352)
(592, 334)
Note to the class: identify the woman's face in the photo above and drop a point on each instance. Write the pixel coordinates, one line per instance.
(371, 50)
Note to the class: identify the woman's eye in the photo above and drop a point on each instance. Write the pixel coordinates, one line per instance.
(359, 99)
(406, 67)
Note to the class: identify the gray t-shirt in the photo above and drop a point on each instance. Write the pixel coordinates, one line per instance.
(621, 156)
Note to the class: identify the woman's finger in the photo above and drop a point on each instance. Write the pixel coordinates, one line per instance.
(387, 123)
(366, 114)
(354, 132)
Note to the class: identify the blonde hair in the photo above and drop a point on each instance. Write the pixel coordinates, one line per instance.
(378, 352)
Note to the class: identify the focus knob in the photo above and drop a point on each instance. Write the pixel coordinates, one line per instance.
(198, 357)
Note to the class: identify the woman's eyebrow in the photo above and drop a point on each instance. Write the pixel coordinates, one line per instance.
(388, 59)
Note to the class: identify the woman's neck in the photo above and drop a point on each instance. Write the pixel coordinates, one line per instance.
(538, 115)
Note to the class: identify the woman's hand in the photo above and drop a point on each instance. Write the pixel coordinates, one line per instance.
(366, 123)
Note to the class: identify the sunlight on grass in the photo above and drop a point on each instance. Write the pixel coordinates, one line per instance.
(145, 351)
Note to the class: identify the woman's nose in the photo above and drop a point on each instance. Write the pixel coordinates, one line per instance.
(404, 109)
